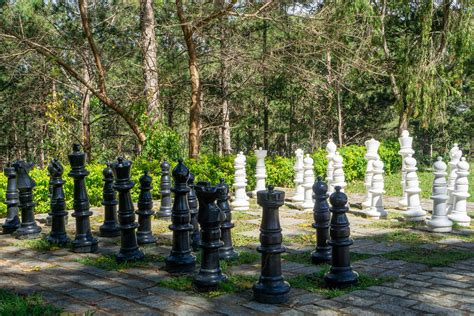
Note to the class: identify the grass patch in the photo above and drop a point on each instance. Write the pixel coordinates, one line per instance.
(407, 237)
(305, 257)
(40, 244)
(245, 257)
(241, 215)
(239, 240)
(429, 257)
(108, 262)
(305, 239)
(14, 304)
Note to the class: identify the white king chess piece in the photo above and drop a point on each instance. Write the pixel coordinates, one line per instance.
(455, 155)
(240, 202)
(439, 221)
(376, 209)
(461, 188)
(405, 150)
(371, 155)
(331, 150)
(261, 173)
(338, 177)
(414, 211)
(298, 196)
(308, 203)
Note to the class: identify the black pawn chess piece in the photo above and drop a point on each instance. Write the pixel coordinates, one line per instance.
(28, 228)
(227, 251)
(165, 190)
(129, 250)
(109, 200)
(193, 210)
(322, 217)
(341, 273)
(83, 241)
(145, 211)
(271, 287)
(58, 213)
(12, 222)
(180, 259)
(210, 218)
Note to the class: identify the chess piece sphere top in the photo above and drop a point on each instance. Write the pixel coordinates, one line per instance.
(241, 153)
(439, 165)
(453, 150)
(165, 165)
(405, 133)
(145, 179)
(299, 152)
(331, 146)
(410, 162)
(108, 172)
(181, 172)
(456, 155)
(308, 160)
(338, 199)
(320, 187)
(463, 165)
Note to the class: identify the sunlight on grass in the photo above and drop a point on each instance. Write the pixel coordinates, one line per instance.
(430, 257)
(108, 262)
(40, 244)
(14, 304)
(407, 237)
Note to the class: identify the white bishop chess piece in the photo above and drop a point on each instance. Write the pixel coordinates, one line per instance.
(298, 196)
(371, 155)
(414, 211)
(461, 188)
(331, 149)
(338, 177)
(439, 221)
(308, 203)
(376, 209)
(455, 155)
(240, 202)
(405, 149)
(261, 172)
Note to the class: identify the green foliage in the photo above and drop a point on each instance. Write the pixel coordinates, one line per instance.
(430, 257)
(14, 304)
(162, 142)
(37, 244)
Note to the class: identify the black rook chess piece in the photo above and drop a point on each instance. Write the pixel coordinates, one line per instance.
(322, 217)
(165, 190)
(193, 210)
(226, 252)
(145, 211)
(271, 287)
(210, 218)
(340, 274)
(28, 228)
(84, 241)
(12, 222)
(109, 200)
(58, 213)
(129, 250)
(180, 259)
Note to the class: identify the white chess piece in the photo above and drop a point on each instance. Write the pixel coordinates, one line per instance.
(308, 182)
(331, 150)
(338, 177)
(414, 211)
(461, 188)
(405, 149)
(240, 202)
(455, 155)
(376, 209)
(298, 196)
(260, 172)
(439, 221)
(371, 155)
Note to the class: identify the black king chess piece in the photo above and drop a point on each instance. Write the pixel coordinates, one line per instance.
(210, 218)
(340, 274)
(28, 228)
(84, 241)
(227, 251)
(271, 287)
(180, 259)
(58, 213)
(322, 217)
(129, 250)
(193, 210)
(165, 190)
(109, 200)
(145, 211)
(12, 221)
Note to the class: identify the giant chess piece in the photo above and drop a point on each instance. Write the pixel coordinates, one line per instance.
(12, 221)
(271, 287)
(58, 234)
(439, 221)
(371, 155)
(261, 173)
(461, 193)
(298, 196)
(180, 259)
(165, 190)
(322, 217)
(28, 228)
(414, 211)
(226, 252)
(341, 273)
(376, 209)
(210, 218)
(331, 149)
(405, 149)
(145, 211)
(240, 202)
(49, 217)
(455, 155)
(84, 241)
(194, 211)
(308, 203)
(109, 201)
(338, 177)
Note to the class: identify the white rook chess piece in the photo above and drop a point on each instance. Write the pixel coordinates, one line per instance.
(308, 182)
(331, 149)
(371, 155)
(455, 155)
(414, 211)
(240, 202)
(405, 149)
(338, 177)
(298, 196)
(461, 188)
(439, 221)
(261, 172)
(376, 209)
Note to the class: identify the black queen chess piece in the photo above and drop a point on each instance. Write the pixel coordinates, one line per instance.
(193, 210)
(341, 273)
(227, 251)
(165, 190)
(109, 200)
(271, 287)
(145, 211)
(84, 241)
(322, 217)
(12, 221)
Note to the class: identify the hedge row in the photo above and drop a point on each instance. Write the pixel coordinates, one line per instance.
(212, 168)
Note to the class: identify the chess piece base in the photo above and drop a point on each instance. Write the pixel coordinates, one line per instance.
(30, 231)
(84, 246)
(180, 264)
(11, 225)
(321, 255)
(228, 253)
(341, 277)
(58, 239)
(109, 230)
(273, 293)
(461, 219)
(208, 281)
(143, 239)
(375, 214)
(130, 256)
(49, 220)
(366, 204)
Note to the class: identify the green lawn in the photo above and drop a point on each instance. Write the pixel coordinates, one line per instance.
(14, 304)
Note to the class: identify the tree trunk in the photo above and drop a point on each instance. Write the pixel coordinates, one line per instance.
(330, 96)
(86, 121)
(225, 128)
(265, 97)
(403, 120)
(340, 131)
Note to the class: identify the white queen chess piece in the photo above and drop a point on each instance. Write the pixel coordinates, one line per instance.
(308, 203)
(405, 149)
(455, 155)
(240, 202)
(298, 196)
(371, 155)
(331, 150)
(461, 193)
(439, 221)
(376, 209)
(260, 170)
(414, 211)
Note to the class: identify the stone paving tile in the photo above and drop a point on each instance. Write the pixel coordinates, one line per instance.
(126, 292)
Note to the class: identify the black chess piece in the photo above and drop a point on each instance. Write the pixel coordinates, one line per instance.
(180, 259)
(49, 218)
(129, 250)
(84, 241)
(28, 228)
(165, 190)
(145, 211)
(12, 221)
(341, 273)
(193, 210)
(227, 251)
(210, 218)
(58, 213)
(322, 217)
(271, 287)
(109, 200)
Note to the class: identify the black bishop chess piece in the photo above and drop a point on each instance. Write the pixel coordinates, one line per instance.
(145, 211)
(341, 273)
(12, 221)
(165, 190)
(193, 210)
(84, 241)
(271, 287)
(210, 218)
(109, 200)
(322, 217)
(129, 250)
(227, 251)
(180, 259)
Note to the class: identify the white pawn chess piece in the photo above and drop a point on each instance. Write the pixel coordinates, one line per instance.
(298, 196)
(414, 211)
(405, 149)
(338, 177)
(376, 209)
(240, 202)
(331, 150)
(461, 188)
(455, 155)
(439, 221)
(308, 203)
(372, 146)
(245, 174)
(260, 172)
